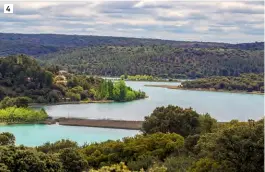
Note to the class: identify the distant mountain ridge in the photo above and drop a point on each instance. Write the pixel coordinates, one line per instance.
(40, 44)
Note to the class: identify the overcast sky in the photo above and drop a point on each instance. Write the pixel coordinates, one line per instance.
(232, 22)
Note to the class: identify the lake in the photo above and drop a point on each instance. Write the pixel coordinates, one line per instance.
(35, 135)
(220, 105)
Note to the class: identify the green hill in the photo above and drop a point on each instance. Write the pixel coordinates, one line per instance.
(115, 56)
(22, 76)
(40, 44)
(161, 61)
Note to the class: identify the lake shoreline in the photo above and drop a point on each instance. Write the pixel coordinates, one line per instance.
(81, 102)
(153, 80)
(74, 102)
(202, 89)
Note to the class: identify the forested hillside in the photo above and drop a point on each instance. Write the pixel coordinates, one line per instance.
(162, 61)
(22, 76)
(115, 56)
(39, 44)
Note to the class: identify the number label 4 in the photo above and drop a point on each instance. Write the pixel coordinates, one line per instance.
(8, 8)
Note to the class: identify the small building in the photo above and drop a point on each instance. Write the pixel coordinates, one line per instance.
(63, 72)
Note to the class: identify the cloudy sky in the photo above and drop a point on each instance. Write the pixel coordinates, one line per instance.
(233, 21)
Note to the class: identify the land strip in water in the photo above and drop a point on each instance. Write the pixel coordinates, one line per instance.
(102, 123)
(179, 87)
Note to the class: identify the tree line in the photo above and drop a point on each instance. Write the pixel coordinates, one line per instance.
(40, 44)
(245, 82)
(22, 115)
(139, 77)
(172, 139)
(118, 91)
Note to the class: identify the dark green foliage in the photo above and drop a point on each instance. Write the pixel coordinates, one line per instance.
(231, 147)
(190, 143)
(245, 82)
(38, 44)
(139, 78)
(83, 88)
(236, 147)
(179, 163)
(28, 160)
(57, 146)
(72, 160)
(118, 91)
(207, 123)
(23, 78)
(110, 89)
(144, 161)
(7, 139)
(163, 61)
(3, 168)
(205, 165)
(172, 119)
(18, 102)
(132, 150)
(18, 159)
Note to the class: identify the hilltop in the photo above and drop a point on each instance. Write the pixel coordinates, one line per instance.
(39, 44)
(115, 56)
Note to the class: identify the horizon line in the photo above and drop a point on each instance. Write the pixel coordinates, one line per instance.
(63, 34)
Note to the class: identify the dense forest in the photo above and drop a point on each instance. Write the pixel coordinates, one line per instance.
(244, 82)
(173, 140)
(159, 61)
(115, 56)
(22, 76)
(39, 44)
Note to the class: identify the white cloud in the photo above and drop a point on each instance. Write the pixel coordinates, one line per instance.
(178, 20)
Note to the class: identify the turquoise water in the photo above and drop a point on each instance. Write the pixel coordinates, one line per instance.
(35, 135)
(222, 106)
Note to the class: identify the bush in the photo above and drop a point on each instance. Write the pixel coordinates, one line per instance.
(204, 165)
(57, 146)
(73, 96)
(172, 119)
(142, 162)
(131, 149)
(21, 115)
(191, 142)
(179, 163)
(7, 139)
(72, 160)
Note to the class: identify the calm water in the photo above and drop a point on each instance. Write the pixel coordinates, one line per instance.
(222, 106)
(35, 135)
